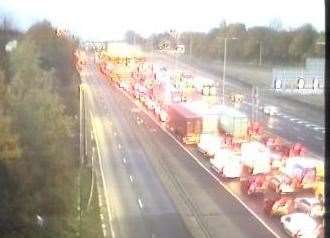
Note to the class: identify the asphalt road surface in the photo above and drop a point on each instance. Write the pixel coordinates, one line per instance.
(140, 205)
(295, 123)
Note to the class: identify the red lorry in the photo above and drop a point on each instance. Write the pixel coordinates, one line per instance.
(184, 123)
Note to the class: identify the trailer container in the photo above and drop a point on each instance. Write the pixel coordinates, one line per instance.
(184, 123)
(233, 122)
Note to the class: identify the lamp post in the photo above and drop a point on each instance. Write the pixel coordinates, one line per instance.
(224, 67)
(190, 48)
(260, 52)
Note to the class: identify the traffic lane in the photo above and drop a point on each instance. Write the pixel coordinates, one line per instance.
(127, 217)
(291, 131)
(227, 214)
(255, 203)
(159, 213)
(305, 112)
(266, 97)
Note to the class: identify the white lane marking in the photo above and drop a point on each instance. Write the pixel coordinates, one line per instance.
(140, 203)
(131, 178)
(294, 119)
(295, 128)
(104, 230)
(319, 138)
(153, 130)
(300, 138)
(301, 122)
(105, 190)
(309, 125)
(100, 201)
(317, 128)
(124, 160)
(212, 174)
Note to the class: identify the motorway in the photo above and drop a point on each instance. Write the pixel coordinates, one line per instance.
(140, 206)
(294, 122)
(132, 148)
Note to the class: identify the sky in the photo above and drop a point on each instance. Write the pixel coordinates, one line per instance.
(110, 19)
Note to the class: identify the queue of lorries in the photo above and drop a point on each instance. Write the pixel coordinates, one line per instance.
(290, 182)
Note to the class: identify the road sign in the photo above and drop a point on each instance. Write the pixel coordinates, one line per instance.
(164, 45)
(301, 83)
(180, 49)
(316, 84)
(278, 84)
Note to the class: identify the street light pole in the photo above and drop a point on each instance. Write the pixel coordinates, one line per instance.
(224, 72)
(190, 48)
(260, 54)
(224, 68)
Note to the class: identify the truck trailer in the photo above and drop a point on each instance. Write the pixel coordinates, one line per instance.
(184, 123)
(233, 122)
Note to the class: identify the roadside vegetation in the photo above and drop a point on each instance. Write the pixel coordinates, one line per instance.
(39, 133)
(278, 46)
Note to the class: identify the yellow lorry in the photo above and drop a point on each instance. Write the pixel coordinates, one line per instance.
(123, 59)
(319, 183)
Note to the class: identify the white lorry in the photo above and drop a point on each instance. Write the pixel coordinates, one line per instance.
(226, 163)
(209, 143)
(256, 156)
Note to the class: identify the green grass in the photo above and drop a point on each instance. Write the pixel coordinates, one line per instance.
(91, 222)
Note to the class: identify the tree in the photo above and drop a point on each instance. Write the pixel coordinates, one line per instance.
(303, 42)
(9, 148)
(43, 177)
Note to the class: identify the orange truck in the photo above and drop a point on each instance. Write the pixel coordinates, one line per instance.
(184, 123)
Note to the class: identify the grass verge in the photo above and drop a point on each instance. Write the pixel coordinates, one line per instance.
(90, 222)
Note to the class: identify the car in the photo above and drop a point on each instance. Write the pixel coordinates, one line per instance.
(270, 110)
(151, 105)
(237, 98)
(280, 184)
(142, 97)
(163, 116)
(282, 206)
(157, 109)
(256, 185)
(309, 205)
(121, 84)
(299, 225)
